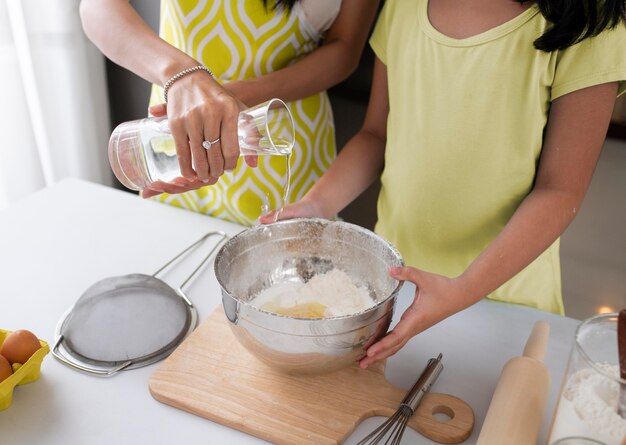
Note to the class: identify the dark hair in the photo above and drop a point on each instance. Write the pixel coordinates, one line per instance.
(576, 20)
(286, 4)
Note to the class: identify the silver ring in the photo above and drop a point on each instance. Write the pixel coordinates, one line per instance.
(207, 144)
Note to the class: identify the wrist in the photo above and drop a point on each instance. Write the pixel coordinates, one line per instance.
(247, 91)
(468, 288)
(428, 309)
(173, 66)
(309, 208)
(180, 75)
(317, 204)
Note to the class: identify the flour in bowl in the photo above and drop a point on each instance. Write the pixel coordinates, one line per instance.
(588, 407)
(331, 294)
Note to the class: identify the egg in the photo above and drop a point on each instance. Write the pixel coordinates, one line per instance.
(5, 369)
(306, 310)
(19, 345)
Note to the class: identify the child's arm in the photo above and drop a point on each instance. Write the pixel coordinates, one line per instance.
(575, 133)
(358, 165)
(574, 137)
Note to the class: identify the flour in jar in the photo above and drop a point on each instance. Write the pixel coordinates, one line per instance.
(331, 294)
(588, 407)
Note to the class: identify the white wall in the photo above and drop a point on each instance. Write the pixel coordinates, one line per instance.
(593, 248)
(54, 119)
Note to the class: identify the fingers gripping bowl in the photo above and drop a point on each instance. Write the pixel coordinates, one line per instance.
(296, 250)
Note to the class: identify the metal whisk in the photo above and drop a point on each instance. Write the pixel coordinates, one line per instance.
(390, 432)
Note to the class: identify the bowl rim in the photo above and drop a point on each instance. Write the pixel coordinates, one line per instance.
(580, 330)
(248, 306)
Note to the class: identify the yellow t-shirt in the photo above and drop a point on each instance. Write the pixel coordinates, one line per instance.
(464, 135)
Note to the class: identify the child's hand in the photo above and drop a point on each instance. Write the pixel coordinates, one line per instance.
(436, 298)
(301, 209)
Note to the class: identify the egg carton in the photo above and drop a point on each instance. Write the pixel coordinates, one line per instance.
(22, 373)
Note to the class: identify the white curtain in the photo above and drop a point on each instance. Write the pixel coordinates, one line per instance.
(54, 114)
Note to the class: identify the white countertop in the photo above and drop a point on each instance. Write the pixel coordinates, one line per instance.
(56, 243)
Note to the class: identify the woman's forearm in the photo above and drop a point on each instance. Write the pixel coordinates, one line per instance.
(198, 108)
(122, 35)
(318, 71)
(332, 62)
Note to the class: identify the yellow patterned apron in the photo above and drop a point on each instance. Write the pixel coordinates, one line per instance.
(240, 39)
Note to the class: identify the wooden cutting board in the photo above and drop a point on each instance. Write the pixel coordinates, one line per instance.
(211, 375)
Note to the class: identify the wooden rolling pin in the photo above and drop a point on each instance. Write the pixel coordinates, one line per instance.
(518, 403)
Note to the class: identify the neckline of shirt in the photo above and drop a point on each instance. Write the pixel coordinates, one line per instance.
(477, 39)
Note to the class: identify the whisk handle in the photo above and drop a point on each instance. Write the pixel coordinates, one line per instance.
(424, 382)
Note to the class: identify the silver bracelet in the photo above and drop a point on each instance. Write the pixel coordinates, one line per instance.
(183, 73)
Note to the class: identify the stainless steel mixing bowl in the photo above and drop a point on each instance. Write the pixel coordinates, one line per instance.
(298, 249)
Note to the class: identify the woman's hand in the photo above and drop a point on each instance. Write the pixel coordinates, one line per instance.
(436, 298)
(305, 208)
(199, 110)
(184, 184)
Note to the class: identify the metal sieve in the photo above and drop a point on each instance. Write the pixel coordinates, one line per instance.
(128, 321)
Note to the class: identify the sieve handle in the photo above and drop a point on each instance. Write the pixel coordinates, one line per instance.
(101, 372)
(223, 237)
